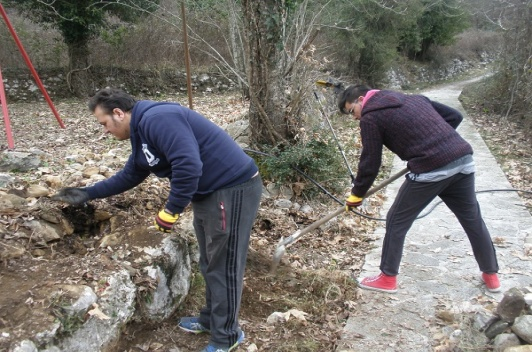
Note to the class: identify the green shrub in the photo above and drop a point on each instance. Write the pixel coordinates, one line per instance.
(318, 159)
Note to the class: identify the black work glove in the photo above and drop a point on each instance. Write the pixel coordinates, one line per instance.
(71, 195)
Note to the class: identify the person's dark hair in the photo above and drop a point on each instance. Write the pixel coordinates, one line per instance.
(110, 98)
(350, 95)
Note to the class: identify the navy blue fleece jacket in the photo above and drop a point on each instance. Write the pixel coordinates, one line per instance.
(415, 128)
(172, 141)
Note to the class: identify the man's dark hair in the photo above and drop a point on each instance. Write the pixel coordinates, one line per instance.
(110, 98)
(350, 95)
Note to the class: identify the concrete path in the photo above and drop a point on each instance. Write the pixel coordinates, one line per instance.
(438, 271)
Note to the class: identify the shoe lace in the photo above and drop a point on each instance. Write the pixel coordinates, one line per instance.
(373, 278)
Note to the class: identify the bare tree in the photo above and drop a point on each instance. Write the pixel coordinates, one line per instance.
(79, 22)
(514, 19)
(279, 38)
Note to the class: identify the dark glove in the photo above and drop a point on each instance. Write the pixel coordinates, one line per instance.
(352, 202)
(165, 221)
(72, 195)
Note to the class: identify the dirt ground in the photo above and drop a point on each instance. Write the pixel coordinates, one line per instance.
(314, 276)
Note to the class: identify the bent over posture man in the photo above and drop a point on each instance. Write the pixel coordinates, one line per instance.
(440, 162)
(206, 168)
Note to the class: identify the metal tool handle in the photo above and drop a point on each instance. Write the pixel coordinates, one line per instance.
(326, 218)
(322, 110)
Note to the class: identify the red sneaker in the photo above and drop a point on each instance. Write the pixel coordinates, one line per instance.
(492, 282)
(382, 283)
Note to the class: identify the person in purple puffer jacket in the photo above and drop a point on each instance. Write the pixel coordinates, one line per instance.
(207, 169)
(423, 133)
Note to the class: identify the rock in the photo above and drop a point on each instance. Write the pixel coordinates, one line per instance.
(511, 305)
(91, 170)
(252, 348)
(38, 253)
(528, 299)
(6, 180)
(26, 346)
(238, 128)
(286, 192)
(523, 328)
(524, 348)
(117, 302)
(43, 230)
(82, 297)
(37, 191)
(110, 241)
(51, 215)
(97, 177)
(18, 161)
(11, 201)
(504, 341)
(283, 203)
(306, 209)
(272, 189)
(53, 181)
(172, 272)
(117, 222)
(276, 318)
(14, 250)
(482, 320)
(67, 227)
(101, 215)
(498, 327)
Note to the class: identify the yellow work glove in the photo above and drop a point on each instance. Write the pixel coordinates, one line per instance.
(352, 202)
(165, 221)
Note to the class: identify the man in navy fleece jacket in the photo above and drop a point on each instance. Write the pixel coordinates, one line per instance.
(440, 162)
(207, 169)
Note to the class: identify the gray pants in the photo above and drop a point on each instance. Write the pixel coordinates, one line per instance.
(223, 223)
(458, 193)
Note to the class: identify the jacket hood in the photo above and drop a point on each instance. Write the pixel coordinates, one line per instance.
(139, 109)
(385, 99)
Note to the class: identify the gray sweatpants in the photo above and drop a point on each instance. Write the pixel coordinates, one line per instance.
(458, 193)
(223, 223)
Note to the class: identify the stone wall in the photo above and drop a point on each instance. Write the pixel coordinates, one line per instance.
(403, 77)
(21, 86)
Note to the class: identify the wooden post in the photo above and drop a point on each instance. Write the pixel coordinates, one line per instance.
(187, 56)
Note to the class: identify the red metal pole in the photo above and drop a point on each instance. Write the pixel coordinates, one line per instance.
(3, 102)
(30, 66)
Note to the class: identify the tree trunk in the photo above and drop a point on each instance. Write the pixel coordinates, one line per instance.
(237, 49)
(78, 77)
(267, 112)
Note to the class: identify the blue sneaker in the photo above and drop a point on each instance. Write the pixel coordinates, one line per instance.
(192, 324)
(211, 348)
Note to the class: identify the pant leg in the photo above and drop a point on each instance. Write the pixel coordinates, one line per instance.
(411, 199)
(200, 214)
(460, 197)
(227, 217)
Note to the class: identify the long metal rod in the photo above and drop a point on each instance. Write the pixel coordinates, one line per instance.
(285, 242)
(335, 138)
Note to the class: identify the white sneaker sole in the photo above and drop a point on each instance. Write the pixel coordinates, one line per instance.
(361, 285)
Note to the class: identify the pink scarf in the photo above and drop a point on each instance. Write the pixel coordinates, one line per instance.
(368, 95)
